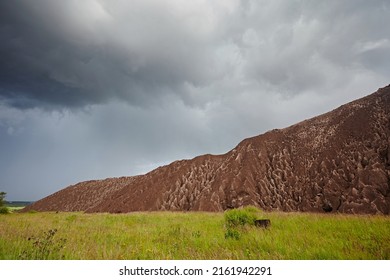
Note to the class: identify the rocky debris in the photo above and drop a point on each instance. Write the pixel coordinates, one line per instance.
(336, 162)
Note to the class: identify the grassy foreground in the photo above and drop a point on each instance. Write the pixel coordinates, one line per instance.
(196, 235)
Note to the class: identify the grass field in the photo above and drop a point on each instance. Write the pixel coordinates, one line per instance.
(14, 208)
(196, 235)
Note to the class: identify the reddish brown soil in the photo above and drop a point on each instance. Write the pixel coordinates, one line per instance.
(336, 162)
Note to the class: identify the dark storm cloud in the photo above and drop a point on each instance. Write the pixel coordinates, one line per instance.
(70, 54)
(99, 88)
(66, 53)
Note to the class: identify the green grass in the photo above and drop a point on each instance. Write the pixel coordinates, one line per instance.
(15, 208)
(195, 235)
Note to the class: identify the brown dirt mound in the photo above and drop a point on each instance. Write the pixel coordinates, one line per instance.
(336, 162)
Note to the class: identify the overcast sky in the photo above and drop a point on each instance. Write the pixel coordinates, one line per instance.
(101, 88)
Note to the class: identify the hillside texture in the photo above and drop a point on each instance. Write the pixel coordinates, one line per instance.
(336, 162)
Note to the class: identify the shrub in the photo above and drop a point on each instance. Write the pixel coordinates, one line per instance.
(4, 210)
(238, 218)
(241, 217)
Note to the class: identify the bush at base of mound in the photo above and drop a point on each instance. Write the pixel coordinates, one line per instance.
(242, 216)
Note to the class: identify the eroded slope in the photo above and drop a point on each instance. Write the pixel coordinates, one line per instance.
(339, 161)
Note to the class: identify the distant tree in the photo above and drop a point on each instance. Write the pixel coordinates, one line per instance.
(2, 197)
(3, 209)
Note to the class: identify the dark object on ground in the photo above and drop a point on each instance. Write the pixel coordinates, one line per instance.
(327, 207)
(263, 223)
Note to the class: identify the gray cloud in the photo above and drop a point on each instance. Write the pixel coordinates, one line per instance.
(70, 54)
(102, 88)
